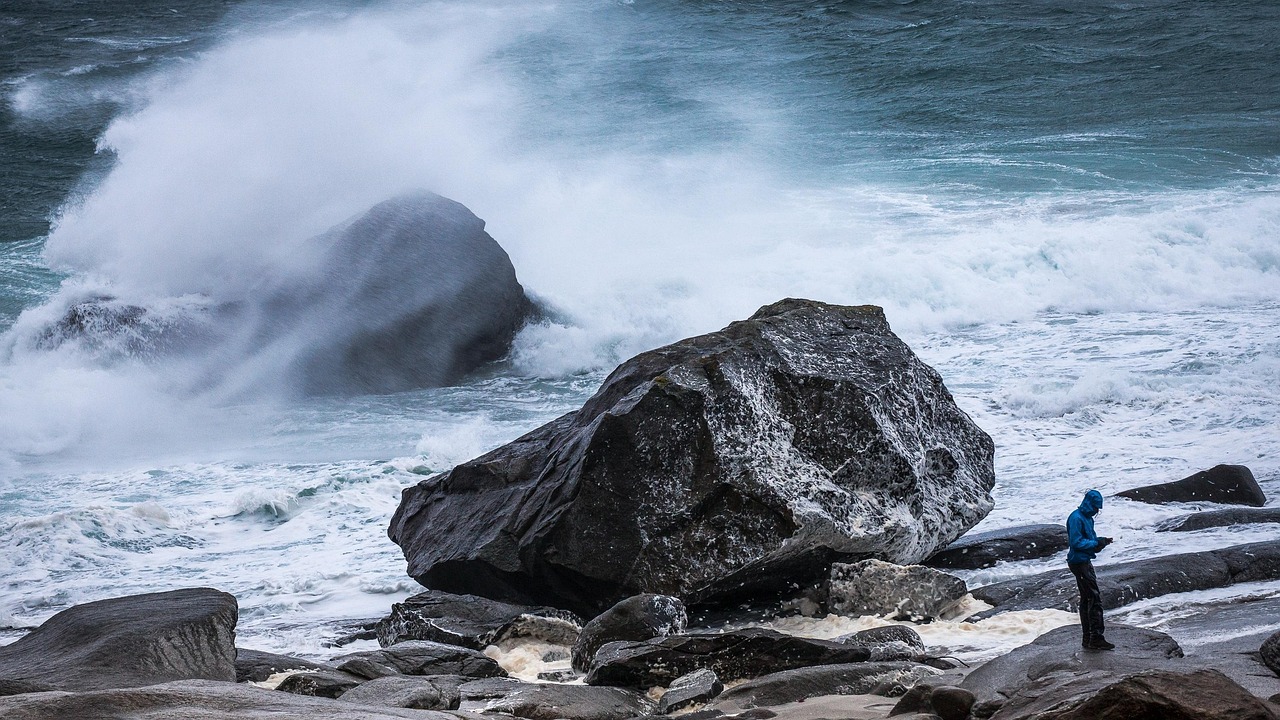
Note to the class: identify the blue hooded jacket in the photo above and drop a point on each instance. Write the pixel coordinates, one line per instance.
(1084, 542)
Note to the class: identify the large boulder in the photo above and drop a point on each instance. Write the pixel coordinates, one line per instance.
(1129, 582)
(724, 466)
(129, 642)
(732, 655)
(1225, 484)
(982, 550)
(470, 621)
(412, 293)
(636, 618)
(903, 592)
(1162, 694)
(1219, 518)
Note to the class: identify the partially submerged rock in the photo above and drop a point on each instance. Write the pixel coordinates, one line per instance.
(732, 655)
(1225, 484)
(472, 621)
(885, 635)
(256, 665)
(1219, 518)
(128, 642)
(1128, 582)
(637, 618)
(902, 592)
(320, 683)
(982, 550)
(721, 467)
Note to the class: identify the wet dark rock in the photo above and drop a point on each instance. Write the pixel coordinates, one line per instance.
(985, 549)
(354, 631)
(637, 618)
(559, 675)
(950, 702)
(1219, 518)
(421, 657)
(554, 702)
(469, 621)
(902, 592)
(698, 686)
(556, 655)
(1270, 653)
(722, 467)
(732, 655)
(862, 678)
(128, 642)
(885, 635)
(1128, 582)
(256, 665)
(1059, 652)
(320, 683)
(195, 700)
(1225, 484)
(1163, 694)
(422, 693)
(913, 701)
(18, 687)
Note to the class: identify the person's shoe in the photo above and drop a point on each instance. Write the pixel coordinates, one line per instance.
(1099, 644)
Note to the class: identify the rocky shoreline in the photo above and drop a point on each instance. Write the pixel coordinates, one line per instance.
(658, 552)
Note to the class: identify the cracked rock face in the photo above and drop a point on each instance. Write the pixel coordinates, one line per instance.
(722, 467)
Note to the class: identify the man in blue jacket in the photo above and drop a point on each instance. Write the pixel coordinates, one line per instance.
(1085, 545)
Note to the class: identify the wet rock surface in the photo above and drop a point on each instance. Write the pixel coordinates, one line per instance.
(1164, 694)
(983, 550)
(866, 678)
(723, 466)
(320, 683)
(732, 655)
(256, 665)
(1128, 582)
(698, 686)
(1269, 652)
(1225, 484)
(637, 618)
(1219, 518)
(885, 635)
(128, 642)
(901, 592)
(554, 702)
(420, 657)
(421, 693)
(470, 621)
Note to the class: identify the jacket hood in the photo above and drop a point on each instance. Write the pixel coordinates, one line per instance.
(1092, 503)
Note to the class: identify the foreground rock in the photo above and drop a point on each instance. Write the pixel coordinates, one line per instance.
(1219, 518)
(128, 642)
(698, 686)
(1163, 694)
(1269, 653)
(553, 702)
(1225, 484)
(1124, 583)
(420, 693)
(472, 622)
(732, 655)
(902, 592)
(256, 665)
(420, 657)
(869, 678)
(195, 700)
(636, 618)
(720, 467)
(320, 683)
(983, 550)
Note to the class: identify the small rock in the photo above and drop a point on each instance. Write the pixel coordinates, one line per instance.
(637, 618)
(950, 702)
(319, 683)
(256, 665)
(422, 657)
(1270, 653)
(885, 635)
(861, 678)
(556, 655)
(469, 621)
(559, 675)
(555, 702)
(421, 693)
(1225, 484)
(698, 686)
(904, 592)
(915, 700)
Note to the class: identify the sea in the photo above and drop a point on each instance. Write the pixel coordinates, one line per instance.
(1070, 210)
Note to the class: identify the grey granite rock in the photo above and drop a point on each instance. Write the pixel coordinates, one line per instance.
(698, 686)
(902, 592)
(472, 621)
(128, 642)
(722, 467)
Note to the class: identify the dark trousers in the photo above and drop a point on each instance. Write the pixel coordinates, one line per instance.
(1090, 600)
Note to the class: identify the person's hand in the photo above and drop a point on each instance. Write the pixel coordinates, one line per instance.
(1105, 541)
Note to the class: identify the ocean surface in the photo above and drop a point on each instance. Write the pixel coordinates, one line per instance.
(1071, 210)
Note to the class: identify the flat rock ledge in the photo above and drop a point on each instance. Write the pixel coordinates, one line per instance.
(720, 468)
